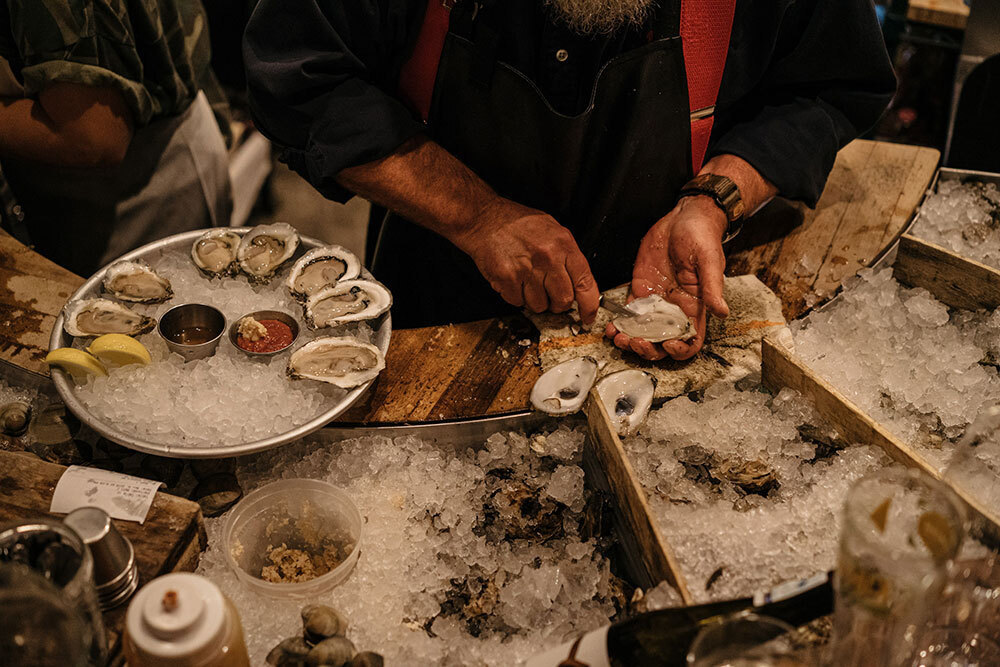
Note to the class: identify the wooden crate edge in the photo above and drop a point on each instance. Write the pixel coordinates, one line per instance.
(953, 279)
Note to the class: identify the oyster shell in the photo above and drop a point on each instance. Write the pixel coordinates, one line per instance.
(136, 282)
(320, 268)
(343, 361)
(347, 301)
(214, 253)
(562, 389)
(627, 396)
(265, 248)
(655, 320)
(93, 317)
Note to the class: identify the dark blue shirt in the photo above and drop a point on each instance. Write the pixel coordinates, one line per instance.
(802, 79)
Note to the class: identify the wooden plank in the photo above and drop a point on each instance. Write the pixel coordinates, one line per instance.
(656, 554)
(170, 540)
(944, 13)
(782, 368)
(869, 198)
(952, 279)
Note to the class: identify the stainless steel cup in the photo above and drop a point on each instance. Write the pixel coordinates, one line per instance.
(115, 573)
(196, 322)
(258, 315)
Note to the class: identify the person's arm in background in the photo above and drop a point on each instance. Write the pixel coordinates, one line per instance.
(69, 124)
(817, 83)
(333, 109)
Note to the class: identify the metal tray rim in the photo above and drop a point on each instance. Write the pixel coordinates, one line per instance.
(64, 385)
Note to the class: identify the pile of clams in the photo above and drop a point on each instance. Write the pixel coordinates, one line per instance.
(322, 642)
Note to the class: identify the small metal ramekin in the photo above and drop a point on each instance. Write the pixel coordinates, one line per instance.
(259, 315)
(192, 315)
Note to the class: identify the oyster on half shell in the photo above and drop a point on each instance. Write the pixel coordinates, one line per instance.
(562, 389)
(655, 320)
(265, 248)
(627, 396)
(214, 253)
(347, 301)
(136, 282)
(320, 268)
(95, 317)
(342, 361)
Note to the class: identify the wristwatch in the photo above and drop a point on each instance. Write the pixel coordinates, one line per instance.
(726, 196)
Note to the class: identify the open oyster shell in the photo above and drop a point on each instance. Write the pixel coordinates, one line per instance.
(320, 268)
(347, 301)
(563, 388)
(343, 361)
(136, 282)
(264, 249)
(627, 396)
(214, 253)
(95, 317)
(655, 320)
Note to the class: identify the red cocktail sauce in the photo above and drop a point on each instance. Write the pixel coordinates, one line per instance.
(279, 335)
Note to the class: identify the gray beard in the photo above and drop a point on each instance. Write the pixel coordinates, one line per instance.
(597, 17)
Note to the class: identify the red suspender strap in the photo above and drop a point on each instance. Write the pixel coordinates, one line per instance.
(416, 79)
(705, 29)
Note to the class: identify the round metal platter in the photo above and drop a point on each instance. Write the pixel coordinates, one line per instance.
(150, 253)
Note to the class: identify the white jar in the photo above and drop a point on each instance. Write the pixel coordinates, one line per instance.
(183, 620)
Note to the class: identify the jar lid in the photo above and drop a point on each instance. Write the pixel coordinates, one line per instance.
(177, 619)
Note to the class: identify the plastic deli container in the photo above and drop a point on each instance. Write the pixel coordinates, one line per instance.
(283, 525)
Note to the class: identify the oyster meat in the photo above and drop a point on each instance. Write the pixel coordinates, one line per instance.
(347, 301)
(136, 282)
(265, 248)
(655, 320)
(627, 396)
(563, 388)
(320, 268)
(94, 317)
(342, 361)
(214, 253)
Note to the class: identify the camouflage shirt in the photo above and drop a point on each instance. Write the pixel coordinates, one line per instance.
(154, 52)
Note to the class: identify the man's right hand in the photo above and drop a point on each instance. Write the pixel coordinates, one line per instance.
(530, 259)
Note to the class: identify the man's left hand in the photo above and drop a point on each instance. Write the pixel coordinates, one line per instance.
(681, 259)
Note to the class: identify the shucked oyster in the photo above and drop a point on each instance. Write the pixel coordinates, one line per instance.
(265, 248)
(563, 388)
(94, 317)
(343, 361)
(320, 268)
(347, 301)
(627, 396)
(136, 282)
(655, 320)
(214, 253)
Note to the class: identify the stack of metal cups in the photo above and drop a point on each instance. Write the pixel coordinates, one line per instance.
(115, 573)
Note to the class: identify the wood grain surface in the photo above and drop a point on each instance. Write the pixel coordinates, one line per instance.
(170, 539)
(944, 13)
(952, 279)
(469, 370)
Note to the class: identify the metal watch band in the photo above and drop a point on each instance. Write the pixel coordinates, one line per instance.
(726, 195)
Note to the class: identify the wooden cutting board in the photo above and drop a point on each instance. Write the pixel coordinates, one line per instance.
(483, 368)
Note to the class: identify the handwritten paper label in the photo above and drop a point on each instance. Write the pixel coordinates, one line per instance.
(121, 496)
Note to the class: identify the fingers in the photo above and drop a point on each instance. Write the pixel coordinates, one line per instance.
(560, 290)
(588, 297)
(535, 296)
(711, 267)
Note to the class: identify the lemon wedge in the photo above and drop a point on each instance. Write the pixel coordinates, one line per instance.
(119, 350)
(77, 363)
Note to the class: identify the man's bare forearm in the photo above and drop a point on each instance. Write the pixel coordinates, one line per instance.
(755, 190)
(428, 185)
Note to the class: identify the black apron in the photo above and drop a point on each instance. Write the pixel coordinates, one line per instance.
(607, 174)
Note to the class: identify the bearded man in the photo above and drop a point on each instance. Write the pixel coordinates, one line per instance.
(531, 150)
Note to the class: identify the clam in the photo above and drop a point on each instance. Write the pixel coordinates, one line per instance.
(264, 249)
(217, 493)
(367, 659)
(342, 361)
(93, 317)
(655, 319)
(347, 301)
(214, 253)
(321, 622)
(291, 651)
(136, 282)
(332, 652)
(627, 396)
(320, 268)
(562, 389)
(14, 418)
